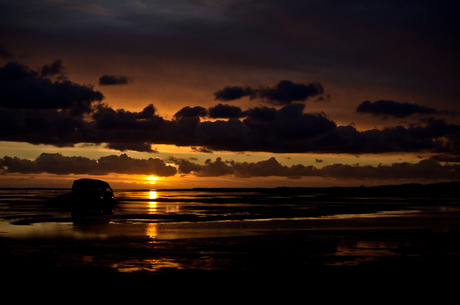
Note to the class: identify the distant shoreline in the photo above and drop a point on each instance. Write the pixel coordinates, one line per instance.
(441, 188)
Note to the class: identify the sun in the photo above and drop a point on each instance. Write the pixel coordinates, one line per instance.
(153, 179)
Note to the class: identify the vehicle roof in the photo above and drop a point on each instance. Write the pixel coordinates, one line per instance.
(90, 182)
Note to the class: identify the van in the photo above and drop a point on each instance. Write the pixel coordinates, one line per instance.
(92, 195)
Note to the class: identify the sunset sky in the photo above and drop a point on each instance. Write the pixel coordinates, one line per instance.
(231, 93)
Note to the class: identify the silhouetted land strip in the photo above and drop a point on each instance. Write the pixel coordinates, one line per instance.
(410, 189)
(434, 189)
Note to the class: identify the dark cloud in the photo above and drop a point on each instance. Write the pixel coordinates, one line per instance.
(202, 150)
(396, 109)
(110, 80)
(62, 165)
(270, 167)
(221, 111)
(230, 93)
(49, 163)
(262, 114)
(127, 165)
(123, 164)
(123, 130)
(185, 166)
(142, 147)
(209, 169)
(14, 71)
(43, 126)
(285, 130)
(191, 112)
(36, 110)
(284, 93)
(147, 113)
(106, 118)
(446, 158)
(425, 169)
(289, 124)
(215, 169)
(53, 69)
(23, 88)
(5, 54)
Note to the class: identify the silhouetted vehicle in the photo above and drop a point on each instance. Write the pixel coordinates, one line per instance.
(92, 195)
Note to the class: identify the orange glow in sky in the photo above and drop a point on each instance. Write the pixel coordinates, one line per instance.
(153, 179)
(232, 101)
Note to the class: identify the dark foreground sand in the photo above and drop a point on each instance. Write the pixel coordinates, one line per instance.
(398, 247)
(386, 244)
(336, 260)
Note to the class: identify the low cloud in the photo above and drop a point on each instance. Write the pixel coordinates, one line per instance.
(226, 111)
(446, 158)
(38, 110)
(387, 108)
(58, 164)
(231, 93)
(111, 80)
(191, 112)
(285, 130)
(56, 68)
(425, 169)
(62, 165)
(202, 150)
(24, 88)
(141, 147)
(284, 93)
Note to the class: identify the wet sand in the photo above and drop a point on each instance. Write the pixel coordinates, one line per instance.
(397, 243)
(421, 243)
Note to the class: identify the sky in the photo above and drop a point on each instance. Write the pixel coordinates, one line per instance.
(231, 93)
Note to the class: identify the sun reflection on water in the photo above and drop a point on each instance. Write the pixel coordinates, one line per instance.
(152, 204)
(152, 230)
(147, 264)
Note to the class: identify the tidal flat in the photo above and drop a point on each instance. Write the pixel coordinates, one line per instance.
(171, 233)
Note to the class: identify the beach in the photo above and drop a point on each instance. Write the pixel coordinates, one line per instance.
(174, 233)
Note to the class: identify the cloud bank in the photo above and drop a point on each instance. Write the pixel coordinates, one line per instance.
(425, 169)
(396, 109)
(62, 165)
(37, 109)
(284, 93)
(23, 88)
(110, 80)
(123, 164)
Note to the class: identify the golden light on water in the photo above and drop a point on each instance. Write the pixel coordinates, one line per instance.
(152, 204)
(152, 230)
(153, 195)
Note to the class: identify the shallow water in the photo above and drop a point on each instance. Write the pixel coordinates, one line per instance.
(153, 230)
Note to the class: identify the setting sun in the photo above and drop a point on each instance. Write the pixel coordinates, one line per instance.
(152, 179)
